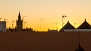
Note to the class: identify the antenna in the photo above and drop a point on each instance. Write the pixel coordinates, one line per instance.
(56, 25)
(79, 47)
(78, 37)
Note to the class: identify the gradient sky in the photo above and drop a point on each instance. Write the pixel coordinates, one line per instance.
(49, 10)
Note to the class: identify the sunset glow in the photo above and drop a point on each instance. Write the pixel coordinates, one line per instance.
(50, 11)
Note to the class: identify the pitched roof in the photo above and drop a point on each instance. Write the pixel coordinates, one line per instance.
(84, 25)
(67, 26)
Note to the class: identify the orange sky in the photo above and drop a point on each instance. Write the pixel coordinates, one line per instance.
(49, 10)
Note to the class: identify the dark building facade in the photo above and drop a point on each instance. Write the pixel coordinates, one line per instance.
(19, 23)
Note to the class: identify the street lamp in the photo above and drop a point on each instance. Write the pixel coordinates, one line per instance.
(52, 27)
(41, 23)
(24, 17)
(24, 24)
(12, 24)
(63, 16)
(23, 20)
(56, 26)
(5, 19)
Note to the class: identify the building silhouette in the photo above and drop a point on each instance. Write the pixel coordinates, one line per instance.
(19, 23)
(84, 25)
(2, 26)
(67, 26)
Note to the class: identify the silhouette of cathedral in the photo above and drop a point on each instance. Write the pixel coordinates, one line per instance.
(19, 23)
(19, 26)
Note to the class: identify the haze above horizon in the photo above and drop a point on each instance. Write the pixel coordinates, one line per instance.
(51, 11)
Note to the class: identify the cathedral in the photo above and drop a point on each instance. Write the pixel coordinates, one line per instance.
(19, 26)
(19, 23)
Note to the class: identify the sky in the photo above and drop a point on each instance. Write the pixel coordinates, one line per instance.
(50, 11)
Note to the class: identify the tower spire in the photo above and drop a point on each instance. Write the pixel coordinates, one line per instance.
(19, 23)
(19, 15)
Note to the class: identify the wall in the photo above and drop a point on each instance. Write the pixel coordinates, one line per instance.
(27, 41)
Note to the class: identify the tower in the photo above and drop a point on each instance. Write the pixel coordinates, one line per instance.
(19, 23)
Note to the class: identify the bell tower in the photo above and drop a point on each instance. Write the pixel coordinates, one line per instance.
(19, 23)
